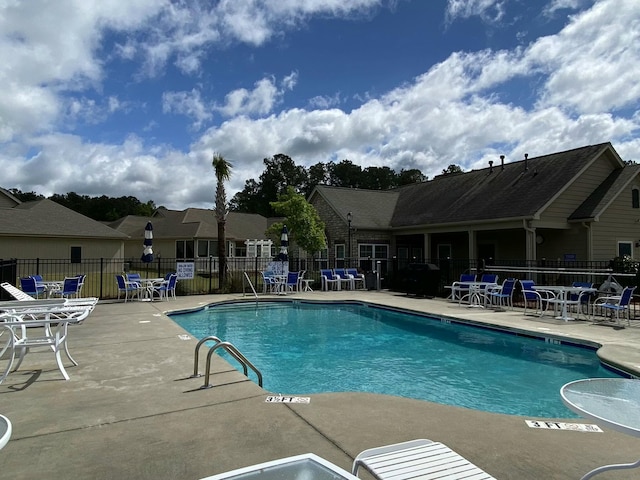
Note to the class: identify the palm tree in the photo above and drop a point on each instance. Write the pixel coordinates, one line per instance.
(222, 169)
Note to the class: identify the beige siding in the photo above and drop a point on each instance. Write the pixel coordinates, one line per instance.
(619, 222)
(574, 195)
(58, 248)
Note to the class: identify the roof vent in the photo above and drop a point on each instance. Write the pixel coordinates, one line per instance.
(490, 166)
(526, 157)
(501, 162)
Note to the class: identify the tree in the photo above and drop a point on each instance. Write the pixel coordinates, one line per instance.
(345, 174)
(222, 169)
(407, 177)
(25, 196)
(378, 178)
(280, 172)
(302, 220)
(452, 169)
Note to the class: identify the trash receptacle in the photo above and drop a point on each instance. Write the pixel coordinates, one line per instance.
(421, 279)
(371, 280)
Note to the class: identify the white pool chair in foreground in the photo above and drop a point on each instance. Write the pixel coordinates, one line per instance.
(417, 458)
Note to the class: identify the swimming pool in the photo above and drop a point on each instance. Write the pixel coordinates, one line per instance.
(308, 347)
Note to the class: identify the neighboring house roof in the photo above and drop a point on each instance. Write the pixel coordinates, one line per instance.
(50, 219)
(193, 223)
(371, 209)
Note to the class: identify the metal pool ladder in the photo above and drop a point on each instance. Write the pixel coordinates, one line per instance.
(229, 348)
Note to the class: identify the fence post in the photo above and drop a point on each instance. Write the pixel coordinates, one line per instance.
(101, 276)
(210, 274)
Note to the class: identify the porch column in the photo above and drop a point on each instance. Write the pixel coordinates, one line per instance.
(427, 247)
(472, 246)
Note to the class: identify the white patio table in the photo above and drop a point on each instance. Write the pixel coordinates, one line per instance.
(148, 285)
(17, 335)
(562, 293)
(477, 296)
(307, 466)
(5, 431)
(611, 402)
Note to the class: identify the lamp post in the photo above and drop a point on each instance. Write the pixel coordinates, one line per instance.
(349, 218)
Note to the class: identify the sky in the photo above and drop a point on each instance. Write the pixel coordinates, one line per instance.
(105, 97)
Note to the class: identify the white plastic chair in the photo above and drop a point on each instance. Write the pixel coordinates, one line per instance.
(420, 458)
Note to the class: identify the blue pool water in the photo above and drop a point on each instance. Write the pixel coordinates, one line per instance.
(304, 348)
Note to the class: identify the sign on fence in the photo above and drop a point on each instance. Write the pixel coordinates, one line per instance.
(185, 270)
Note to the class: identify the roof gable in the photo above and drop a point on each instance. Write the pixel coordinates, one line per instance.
(607, 192)
(371, 209)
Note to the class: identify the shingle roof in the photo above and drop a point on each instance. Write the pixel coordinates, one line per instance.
(193, 223)
(50, 219)
(519, 190)
(372, 209)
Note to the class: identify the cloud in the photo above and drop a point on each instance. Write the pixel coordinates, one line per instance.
(189, 104)
(259, 101)
(488, 10)
(582, 82)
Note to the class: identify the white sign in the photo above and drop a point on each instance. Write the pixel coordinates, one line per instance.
(283, 399)
(185, 270)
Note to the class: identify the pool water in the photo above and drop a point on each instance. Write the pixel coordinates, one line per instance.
(304, 348)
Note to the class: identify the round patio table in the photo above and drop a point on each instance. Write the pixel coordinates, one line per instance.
(611, 402)
(5, 430)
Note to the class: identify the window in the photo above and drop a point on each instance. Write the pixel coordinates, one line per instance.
(76, 254)
(625, 248)
(369, 252)
(635, 198)
(340, 252)
(207, 248)
(184, 249)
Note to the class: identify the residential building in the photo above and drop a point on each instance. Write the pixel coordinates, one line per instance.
(580, 205)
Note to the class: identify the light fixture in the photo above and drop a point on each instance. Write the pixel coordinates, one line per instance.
(539, 239)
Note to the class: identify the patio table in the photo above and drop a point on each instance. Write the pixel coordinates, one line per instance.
(307, 466)
(612, 402)
(562, 297)
(51, 286)
(5, 431)
(476, 297)
(18, 337)
(148, 285)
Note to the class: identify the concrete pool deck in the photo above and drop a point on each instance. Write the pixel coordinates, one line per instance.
(130, 409)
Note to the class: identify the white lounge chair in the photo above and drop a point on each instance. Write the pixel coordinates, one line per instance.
(420, 458)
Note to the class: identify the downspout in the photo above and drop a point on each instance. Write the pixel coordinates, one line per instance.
(531, 248)
(589, 241)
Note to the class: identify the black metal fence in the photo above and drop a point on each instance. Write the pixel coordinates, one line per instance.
(100, 281)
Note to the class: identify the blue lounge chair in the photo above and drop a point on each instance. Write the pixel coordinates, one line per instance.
(30, 287)
(617, 304)
(539, 297)
(329, 278)
(166, 288)
(460, 288)
(502, 296)
(129, 289)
